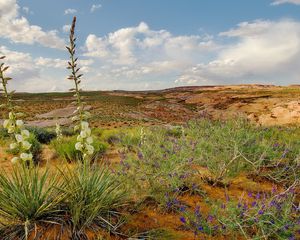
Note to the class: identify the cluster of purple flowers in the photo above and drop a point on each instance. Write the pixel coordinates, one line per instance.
(271, 215)
(197, 222)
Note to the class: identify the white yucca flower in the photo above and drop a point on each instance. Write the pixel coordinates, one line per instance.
(14, 160)
(19, 123)
(13, 146)
(26, 156)
(90, 149)
(79, 146)
(26, 145)
(19, 138)
(84, 125)
(58, 131)
(25, 133)
(89, 140)
(5, 123)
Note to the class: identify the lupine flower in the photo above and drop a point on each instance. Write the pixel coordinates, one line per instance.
(183, 220)
(260, 212)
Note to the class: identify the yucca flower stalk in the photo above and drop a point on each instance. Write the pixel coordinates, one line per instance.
(84, 139)
(14, 125)
(58, 132)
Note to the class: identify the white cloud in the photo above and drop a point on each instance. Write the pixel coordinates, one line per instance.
(139, 57)
(27, 10)
(66, 28)
(141, 44)
(62, 63)
(18, 29)
(50, 62)
(264, 52)
(278, 2)
(70, 11)
(95, 7)
(22, 67)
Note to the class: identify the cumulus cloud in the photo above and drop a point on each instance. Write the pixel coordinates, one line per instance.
(95, 7)
(138, 44)
(61, 63)
(22, 67)
(138, 57)
(278, 2)
(70, 11)
(17, 28)
(34, 75)
(263, 52)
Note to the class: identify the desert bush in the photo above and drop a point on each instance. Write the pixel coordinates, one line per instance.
(231, 147)
(27, 198)
(131, 139)
(164, 160)
(43, 135)
(159, 169)
(65, 148)
(93, 196)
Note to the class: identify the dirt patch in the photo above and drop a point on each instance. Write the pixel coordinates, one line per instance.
(61, 112)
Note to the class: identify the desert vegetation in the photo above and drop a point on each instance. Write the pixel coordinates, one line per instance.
(197, 177)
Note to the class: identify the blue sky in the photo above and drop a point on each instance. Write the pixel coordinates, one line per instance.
(152, 44)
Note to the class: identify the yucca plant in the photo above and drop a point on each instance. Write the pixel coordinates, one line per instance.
(84, 138)
(28, 198)
(92, 193)
(92, 198)
(13, 125)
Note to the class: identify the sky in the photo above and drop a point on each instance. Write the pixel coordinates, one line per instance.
(151, 44)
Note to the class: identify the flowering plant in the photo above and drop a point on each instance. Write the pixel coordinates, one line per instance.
(58, 132)
(84, 139)
(12, 124)
(262, 216)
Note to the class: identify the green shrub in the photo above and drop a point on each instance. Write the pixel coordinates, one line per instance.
(264, 216)
(3, 134)
(93, 195)
(27, 198)
(65, 148)
(159, 168)
(43, 135)
(67, 131)
(228, 148)
(35, 149)
(167, 160)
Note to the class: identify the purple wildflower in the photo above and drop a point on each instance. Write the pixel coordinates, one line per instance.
(200, 228)
(261, 212)
(183, 220)
(210, 218)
